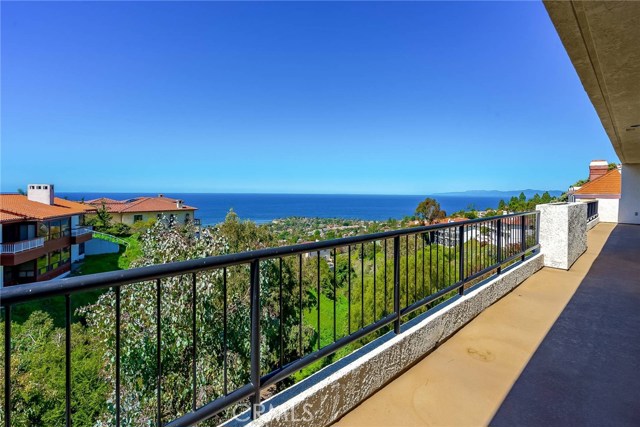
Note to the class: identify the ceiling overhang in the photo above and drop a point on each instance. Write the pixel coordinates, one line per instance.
(603, 43)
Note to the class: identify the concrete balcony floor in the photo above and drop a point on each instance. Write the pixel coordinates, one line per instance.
(562, 349)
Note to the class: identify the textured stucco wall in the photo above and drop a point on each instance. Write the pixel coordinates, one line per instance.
(563, 233)
(99, 247)
(630, 197)
(608, 210)
(324, 397)
(180, 216)
(75, 253)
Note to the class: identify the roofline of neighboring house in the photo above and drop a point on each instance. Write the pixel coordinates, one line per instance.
(122, 207)
(32, 218)
(597, 196)
(590, 183)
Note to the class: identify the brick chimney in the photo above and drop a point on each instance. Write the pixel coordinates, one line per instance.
(597, 168)
(41, 193)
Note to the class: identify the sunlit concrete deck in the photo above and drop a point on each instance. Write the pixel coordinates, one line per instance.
(561, 349)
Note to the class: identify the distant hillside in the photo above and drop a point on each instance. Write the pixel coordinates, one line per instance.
(504, 194)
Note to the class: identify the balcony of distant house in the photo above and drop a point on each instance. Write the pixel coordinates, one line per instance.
(81, 234)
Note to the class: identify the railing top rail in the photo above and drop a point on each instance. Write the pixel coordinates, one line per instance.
(24, 241)
(57, 287)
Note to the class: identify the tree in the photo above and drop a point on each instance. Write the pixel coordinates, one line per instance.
(613, 166)
(162, 244)
(429, 210)
(38, 379)
(21, 192)
(102, 219)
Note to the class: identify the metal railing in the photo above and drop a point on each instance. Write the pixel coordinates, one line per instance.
(412, 269)
(110, 238)
(592, 210)
(25, 245)
(79, 231)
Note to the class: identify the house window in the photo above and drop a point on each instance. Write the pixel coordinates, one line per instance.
(137, 218)
(66, 227)
(54, 230)
(54, 259)
(81, 249)
(43, 264)
(43, 230)
(65, 256)
(27, 270)
(187, 218)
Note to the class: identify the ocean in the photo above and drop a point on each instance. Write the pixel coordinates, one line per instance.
(262, 208)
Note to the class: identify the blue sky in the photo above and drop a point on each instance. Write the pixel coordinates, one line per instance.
(379, 98)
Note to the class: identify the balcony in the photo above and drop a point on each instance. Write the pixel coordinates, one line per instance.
(22, 246)
(460, 340)
(559, 350)
(81, 234)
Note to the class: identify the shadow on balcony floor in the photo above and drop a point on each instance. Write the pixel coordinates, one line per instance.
(587, 369)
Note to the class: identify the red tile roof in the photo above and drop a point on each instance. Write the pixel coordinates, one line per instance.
(17, 206)
(141, 204)
(9, 217)
(609, 183)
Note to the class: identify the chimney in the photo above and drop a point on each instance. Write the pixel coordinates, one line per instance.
(179, 204)
(597, 168)
(41, 193)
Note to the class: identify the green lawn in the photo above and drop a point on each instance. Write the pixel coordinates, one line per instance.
(92, 264)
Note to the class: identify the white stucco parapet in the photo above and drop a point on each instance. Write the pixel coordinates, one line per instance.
(563, 233)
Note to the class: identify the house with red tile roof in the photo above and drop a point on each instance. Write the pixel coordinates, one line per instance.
(40, 235)
(603, 186)
(145, 208)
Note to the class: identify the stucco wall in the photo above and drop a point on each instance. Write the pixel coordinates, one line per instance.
(75, 253)
(127, 218)
(608, 210)
(563, 233)
(630, 199)
(99, 246)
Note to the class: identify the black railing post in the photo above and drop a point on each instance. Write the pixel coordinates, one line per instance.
(538, 228)
(67, 359)
(7, 366)
(159, 348)
(499, 235)
(194, 339)
(396, 283)
(461, 243)
(255, 337)
(523, 236)
(117, 388)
